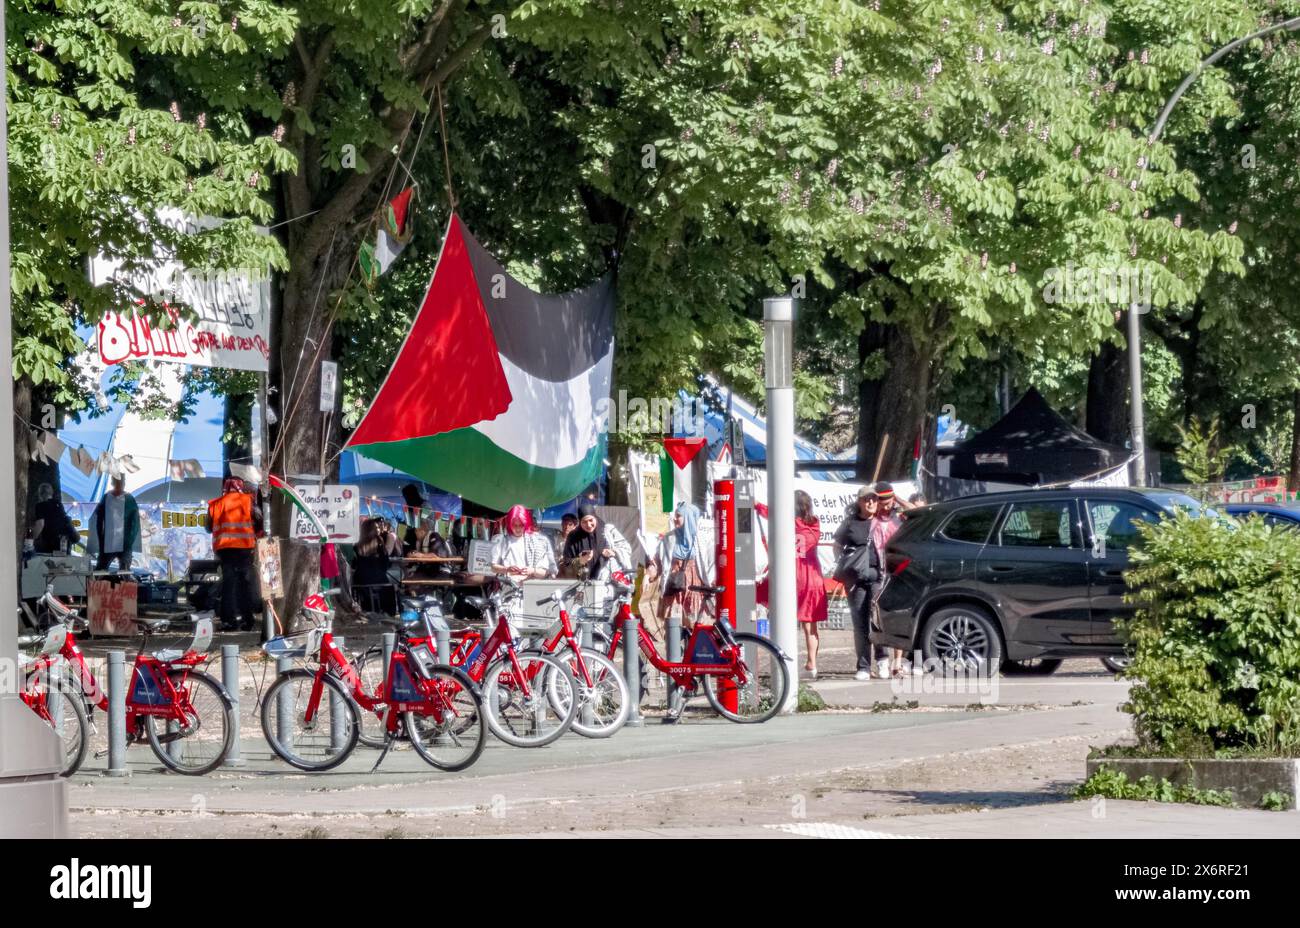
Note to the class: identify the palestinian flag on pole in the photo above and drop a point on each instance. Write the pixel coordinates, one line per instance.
(394, 233)
(496, 393)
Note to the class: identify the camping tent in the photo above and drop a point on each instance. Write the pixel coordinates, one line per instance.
(1032, 445)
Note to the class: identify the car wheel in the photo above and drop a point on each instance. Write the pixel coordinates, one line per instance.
(963, 637)
(1032, 667)
(1117, 664)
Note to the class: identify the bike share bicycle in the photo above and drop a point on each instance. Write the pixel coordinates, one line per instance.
(311, 717)
(528, 695)
(744, 677)
(185, 715)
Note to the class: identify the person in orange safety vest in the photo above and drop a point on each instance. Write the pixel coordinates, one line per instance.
(235, 522)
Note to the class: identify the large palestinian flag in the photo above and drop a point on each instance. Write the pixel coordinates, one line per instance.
(496, 391)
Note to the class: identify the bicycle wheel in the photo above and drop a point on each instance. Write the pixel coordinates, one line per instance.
(763, 693)
(369, 665)
(65, 712)
(320, 744)
(210, 726)
(532, 719)
(451, 732)
(603, 706)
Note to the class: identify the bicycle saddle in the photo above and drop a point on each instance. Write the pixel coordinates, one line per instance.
(479, 603)
(153, 625)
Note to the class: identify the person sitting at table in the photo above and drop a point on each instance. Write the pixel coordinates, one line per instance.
(370, 581)
(522, 551)
(596, 547)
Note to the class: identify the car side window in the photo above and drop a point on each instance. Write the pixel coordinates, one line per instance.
(1045, 524)
(971, 525)
(1116, 523)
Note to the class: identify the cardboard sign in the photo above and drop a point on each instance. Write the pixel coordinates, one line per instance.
(480, 557)
(338, 508)
(112, 607)
(268, 567)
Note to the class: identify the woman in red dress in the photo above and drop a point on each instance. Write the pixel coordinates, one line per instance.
(809, 586)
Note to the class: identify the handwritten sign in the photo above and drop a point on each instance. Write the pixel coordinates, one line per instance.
(268, 567)
(337, 507)
(112, 607)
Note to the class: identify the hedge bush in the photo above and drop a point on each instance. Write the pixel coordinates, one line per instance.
(1216, 637)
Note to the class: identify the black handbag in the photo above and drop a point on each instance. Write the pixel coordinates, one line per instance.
(855, 567)
(675, 582)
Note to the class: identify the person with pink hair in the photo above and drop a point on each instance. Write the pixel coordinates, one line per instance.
(522, 551)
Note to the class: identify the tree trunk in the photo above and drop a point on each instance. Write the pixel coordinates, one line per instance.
(1108, 395)
(1293, 479)
(895, 404)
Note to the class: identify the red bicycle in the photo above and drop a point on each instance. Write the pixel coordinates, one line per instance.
(186, 715)
(603, 702)
(311, 717)
(45, 692)
(528, 695)
(745, 677)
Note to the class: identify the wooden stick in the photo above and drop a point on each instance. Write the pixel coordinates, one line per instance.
(880, 456)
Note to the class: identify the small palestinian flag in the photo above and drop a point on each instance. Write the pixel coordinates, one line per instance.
(395, 231)
(496, 393)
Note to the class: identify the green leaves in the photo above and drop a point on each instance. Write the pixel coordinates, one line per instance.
(1216, 638)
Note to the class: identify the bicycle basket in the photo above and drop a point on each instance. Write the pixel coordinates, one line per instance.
(295, 647)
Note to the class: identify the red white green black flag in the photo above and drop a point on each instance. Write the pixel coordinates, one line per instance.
(496, 393)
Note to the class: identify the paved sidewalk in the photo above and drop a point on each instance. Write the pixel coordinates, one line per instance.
(691, 756)
(1085, 819)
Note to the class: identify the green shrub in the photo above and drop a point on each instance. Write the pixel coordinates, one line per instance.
(1113, 784)
(1275, 801)
(1216, 637)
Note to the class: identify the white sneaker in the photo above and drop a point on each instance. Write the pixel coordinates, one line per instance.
(862, 676)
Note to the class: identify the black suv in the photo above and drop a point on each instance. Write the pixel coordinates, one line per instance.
(1016, 581)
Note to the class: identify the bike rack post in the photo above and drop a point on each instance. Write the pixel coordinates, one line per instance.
(632, 671)
(117, 715)
(283, 704)
(230, 680)
(390, 643)
(584, 642)
(443, 637)
(336, 712)
(673, 633)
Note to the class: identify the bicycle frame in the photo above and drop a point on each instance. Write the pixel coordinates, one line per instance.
(150, 691)
(501, 638)
(683, 673)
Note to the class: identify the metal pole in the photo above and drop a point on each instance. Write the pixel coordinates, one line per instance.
(632, 671)
(283, 704)
(230, 680)
(443, 637)
(673, 633)
(337, 711)
(1138, 425)
(778, 323)
(117, 715)
(33, 797)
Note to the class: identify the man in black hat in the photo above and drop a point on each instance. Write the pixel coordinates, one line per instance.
(414, 506)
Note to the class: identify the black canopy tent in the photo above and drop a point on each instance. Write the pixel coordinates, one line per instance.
(1032, 445)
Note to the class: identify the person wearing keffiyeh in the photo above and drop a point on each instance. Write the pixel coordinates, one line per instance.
(521, 550)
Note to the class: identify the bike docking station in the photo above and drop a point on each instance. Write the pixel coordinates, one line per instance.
(733, 514)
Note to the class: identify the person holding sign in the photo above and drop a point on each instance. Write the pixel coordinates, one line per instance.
(235, 524)
(522, 551)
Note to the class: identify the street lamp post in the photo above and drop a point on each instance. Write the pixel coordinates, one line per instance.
(778, 375)
(1138, 423)
(33, 802)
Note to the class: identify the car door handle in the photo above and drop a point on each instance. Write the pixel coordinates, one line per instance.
(1111, 572)
(1001, 568)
